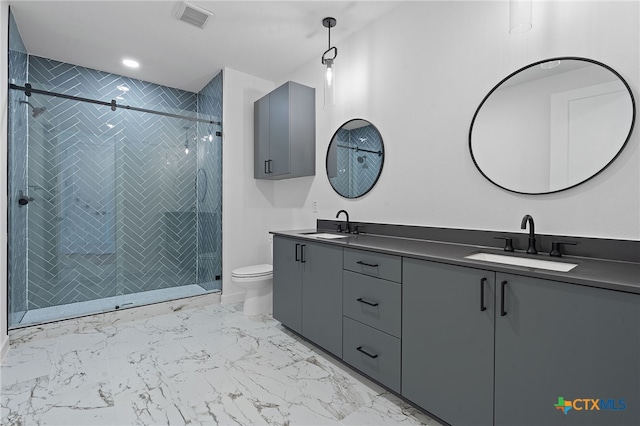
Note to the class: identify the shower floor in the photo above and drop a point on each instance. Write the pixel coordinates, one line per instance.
(71, 310)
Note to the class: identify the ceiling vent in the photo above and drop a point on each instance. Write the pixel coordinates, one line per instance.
(194, 15)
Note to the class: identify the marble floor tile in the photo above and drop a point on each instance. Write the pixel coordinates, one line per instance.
(206, 365)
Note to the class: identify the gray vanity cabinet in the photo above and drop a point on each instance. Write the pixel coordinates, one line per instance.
(307, 290)
(287, 283)
(559, 340)
(284, 133)
(372, 288)
(447, 341)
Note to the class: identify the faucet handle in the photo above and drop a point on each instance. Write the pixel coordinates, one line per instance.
(508, 243)
(555, 247)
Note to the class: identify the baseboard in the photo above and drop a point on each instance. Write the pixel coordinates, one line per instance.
(232, 299)
(4, 350)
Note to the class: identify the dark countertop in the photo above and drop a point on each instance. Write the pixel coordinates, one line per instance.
(607, 274)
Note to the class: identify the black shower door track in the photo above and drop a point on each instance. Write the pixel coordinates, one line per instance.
(28, 90)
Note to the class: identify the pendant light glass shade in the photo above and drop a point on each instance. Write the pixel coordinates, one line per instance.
(330, 83)
(519, 16)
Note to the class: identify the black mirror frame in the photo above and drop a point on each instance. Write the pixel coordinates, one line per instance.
(326, 163)
(561, 58)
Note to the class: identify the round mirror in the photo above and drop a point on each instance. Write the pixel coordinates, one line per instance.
(552, 125)
(355, 158)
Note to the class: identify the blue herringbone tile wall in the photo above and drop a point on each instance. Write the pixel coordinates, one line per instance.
(17, 155)
(210, 186)
(357, 171)
(366, 137)
(116, 207)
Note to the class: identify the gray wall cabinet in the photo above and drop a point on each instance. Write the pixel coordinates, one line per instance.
(447, 341)
(561, 340)
(307, 290)
(285, 133)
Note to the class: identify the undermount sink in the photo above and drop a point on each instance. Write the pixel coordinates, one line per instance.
(325, 235)
(523, 261)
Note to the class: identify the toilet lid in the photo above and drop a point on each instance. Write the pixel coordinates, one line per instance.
(253, 271)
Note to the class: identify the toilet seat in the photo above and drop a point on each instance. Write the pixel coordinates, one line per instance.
(253, 272)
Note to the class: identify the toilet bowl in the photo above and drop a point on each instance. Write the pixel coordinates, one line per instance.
(257, 282)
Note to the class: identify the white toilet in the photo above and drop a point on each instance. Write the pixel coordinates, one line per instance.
(257, 282)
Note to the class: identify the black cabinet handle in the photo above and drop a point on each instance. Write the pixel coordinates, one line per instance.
(502, 310)
(482, 307)
(297, 257)
(265, 167)
(359, 262)
(361, 300)
(269, 165)
(359, 349)
(302, 258)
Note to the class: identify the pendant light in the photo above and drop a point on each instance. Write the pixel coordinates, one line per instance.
(330, 73)
(519, 16)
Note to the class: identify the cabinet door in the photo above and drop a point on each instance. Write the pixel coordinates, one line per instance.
(447, 341)
(261, 138)
(279, 135)
(287, 283)
(559, 340)
(322, 296)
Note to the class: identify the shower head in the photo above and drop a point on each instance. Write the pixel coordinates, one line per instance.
(36, 111)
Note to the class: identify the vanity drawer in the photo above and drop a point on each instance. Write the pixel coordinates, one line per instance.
(373, 352)
(378, 265)
(372, 301)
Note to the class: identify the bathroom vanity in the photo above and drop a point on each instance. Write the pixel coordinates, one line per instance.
(469, 341)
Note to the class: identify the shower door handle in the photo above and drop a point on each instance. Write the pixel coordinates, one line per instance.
(23, 199)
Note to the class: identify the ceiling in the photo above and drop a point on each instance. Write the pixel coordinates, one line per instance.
(268, 39)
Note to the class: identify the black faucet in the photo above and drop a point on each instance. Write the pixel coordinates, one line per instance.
(532, 233)
(348, 223)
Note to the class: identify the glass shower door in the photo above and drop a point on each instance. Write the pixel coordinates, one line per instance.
(71, 222)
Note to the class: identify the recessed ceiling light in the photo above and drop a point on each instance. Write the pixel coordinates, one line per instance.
(120, 98)
(122, 88)
(109, 125)
(131, 63)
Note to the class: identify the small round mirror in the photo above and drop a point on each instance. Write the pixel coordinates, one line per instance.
(355, 158)
(552, 125)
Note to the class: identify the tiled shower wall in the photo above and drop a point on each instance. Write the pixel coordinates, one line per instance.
(17, 128)
(115, 209)
(355, 176)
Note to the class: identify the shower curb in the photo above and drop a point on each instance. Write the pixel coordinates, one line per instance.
(98, 322)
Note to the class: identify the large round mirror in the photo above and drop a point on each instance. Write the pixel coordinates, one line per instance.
(552, 125)
(355, 158)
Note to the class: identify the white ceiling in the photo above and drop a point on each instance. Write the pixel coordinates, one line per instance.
(267, 39)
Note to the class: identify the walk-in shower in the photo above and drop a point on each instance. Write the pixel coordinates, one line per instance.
(114, 195)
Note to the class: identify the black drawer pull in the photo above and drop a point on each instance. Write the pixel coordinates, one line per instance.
(361, 300)
(265, 167)
(303, 258)
(482, 307)
(297, 257)
(503, 312)
(360, 262)
(359, 349)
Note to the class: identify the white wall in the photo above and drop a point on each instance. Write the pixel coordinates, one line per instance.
(4, 26)
(419, 74)
(249, 207)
